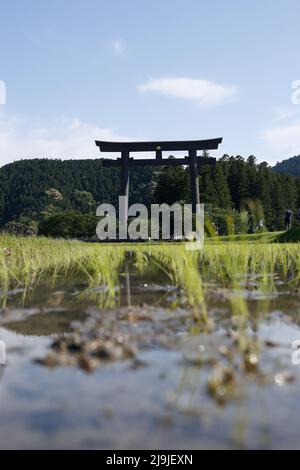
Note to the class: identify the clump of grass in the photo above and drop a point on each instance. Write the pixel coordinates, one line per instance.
(24, 262)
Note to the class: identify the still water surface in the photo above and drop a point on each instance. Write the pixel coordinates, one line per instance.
(164, 396)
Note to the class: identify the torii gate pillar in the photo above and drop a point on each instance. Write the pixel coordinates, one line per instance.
(194, 180)
(124, 186)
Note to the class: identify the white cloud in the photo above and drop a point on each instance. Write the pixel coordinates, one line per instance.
(284, 140)
(204, 92)
(119, 47)
(283, 113)
(61, 138)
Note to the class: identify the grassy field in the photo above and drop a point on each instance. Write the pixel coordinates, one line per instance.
(290, 236)
(25, 261)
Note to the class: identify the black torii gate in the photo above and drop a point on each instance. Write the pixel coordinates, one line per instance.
(192, 160)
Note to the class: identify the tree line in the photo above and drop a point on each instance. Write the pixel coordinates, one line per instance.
(33, 191)
(233, 185)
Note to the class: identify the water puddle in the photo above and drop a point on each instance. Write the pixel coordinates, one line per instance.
(131, 366)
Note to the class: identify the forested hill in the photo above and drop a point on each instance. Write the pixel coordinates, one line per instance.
(290, 166)
(24, 185)
(36, 188)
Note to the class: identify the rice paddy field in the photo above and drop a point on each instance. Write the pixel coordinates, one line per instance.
(128, 346)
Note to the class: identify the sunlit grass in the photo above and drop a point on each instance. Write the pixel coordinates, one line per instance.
(24, 262)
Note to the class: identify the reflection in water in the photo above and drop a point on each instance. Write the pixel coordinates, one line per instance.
(241, 274)
(2, 353)
(47, 324)
(2, 369)
(127, 281)
(207, 386)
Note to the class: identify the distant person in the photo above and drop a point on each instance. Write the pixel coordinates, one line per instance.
(288, 219)
(251, 224)
(298, 215)
(215, 228)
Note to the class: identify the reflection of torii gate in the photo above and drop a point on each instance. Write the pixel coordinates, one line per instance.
(158, 147)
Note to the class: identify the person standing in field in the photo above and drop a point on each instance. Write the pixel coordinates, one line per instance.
(288, 219)
(251, 228)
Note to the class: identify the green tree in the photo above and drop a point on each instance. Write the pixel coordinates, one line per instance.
(221, 187)
(69, 224)
(84, 201)
(171, 185)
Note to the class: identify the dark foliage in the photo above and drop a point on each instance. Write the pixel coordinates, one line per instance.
(41, 189)
(290, 166)
(68, 224)
(235, 183)
(25, 185)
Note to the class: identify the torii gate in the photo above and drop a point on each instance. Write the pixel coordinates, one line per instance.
(192, 160)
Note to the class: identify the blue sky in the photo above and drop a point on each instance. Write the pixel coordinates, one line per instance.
(76, 71)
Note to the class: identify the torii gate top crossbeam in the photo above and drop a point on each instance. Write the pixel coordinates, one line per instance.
(174, 146)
